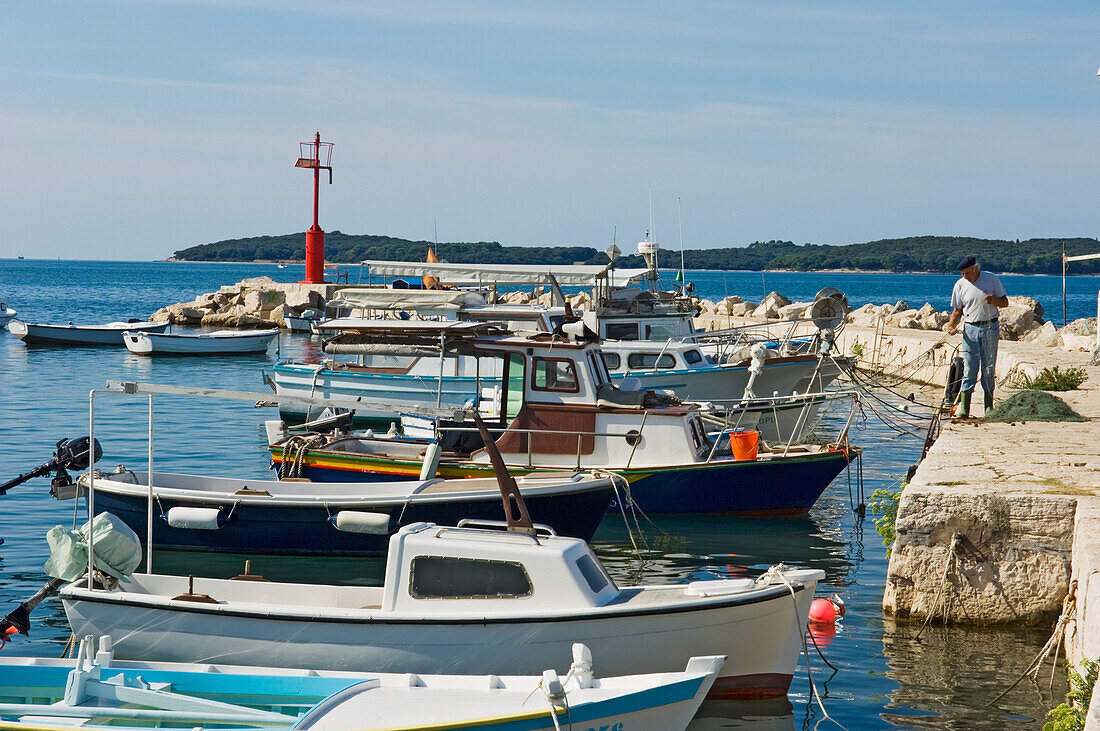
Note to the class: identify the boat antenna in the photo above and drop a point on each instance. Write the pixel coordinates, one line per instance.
(680, 219)
(515, 511)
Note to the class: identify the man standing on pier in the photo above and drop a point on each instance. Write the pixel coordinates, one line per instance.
(975, 300)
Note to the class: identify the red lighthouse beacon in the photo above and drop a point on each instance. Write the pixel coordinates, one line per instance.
(316, 155)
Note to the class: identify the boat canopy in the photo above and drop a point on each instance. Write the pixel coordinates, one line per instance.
(372, 298)
(576, 275)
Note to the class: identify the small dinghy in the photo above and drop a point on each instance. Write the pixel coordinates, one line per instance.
(219, 342)
(97, 691)
(6, 314)
(33, 333)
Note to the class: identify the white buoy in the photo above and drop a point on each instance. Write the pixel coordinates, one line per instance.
(359, 521)
(194, 518)
(431, 461)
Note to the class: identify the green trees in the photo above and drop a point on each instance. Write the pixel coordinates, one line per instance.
(912, 254)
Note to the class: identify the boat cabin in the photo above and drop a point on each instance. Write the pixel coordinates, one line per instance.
(550, 398)
(436, 570)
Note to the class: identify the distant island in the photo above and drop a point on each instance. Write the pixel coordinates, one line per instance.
(934, 254)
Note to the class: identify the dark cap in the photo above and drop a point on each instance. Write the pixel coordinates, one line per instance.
(966, 263)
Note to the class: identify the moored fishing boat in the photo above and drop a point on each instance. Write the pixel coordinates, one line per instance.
(273, 517)
(218, 342)
(471, 600)
(6, 314)
(96, 690)
(111, 333)
(552, 407)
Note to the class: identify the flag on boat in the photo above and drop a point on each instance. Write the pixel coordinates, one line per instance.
(431, 282)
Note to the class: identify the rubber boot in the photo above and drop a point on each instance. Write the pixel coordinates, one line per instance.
(963, 411)
(988, 402)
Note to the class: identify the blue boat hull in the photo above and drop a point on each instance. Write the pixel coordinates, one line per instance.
(306, 531)
(781, 486)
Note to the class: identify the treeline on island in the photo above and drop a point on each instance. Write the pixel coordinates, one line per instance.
(913, 254)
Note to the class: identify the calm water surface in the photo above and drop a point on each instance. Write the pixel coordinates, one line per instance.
(886, 678)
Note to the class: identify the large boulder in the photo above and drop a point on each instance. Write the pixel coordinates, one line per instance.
(220, 319)
(257, 283)
(301, 296)
(1084, 326)
(734, 305)
(795, 311)
(740, 309)
(1022, 315)
(865, 316)
(261, 300)
(776, 300)
(1046, 334)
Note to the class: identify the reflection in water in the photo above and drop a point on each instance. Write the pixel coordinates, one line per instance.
(770, 715)
(358, 571)
(954, 672)
(698, 547)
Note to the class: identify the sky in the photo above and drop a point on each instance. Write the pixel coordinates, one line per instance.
(134, 128)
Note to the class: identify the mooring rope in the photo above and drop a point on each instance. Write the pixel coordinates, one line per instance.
(1069, 609)
(778, 572)
(943, 582)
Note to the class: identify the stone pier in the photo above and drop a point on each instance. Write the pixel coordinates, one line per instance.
(1000, 524)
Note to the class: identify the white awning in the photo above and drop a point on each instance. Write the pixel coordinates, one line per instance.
(576, 275)
(374, 298)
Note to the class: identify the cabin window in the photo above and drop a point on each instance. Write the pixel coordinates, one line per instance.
(661, 331)
(600, 376)
(693, 356)
(621, 331)
(647, 360)
(612, 361)
(554, 374)
(513, 385)
(593, 573)
(437, 577)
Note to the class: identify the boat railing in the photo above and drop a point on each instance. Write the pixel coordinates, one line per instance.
(633, 436)
(783, 332)
(135, 388)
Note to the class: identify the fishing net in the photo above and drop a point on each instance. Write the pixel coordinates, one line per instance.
(1033, 406)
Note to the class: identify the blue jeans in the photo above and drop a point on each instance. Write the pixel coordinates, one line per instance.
(979, 345)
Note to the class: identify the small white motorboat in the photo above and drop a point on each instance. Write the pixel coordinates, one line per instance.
(219, 342)
(6, 314)
(33, 333)
(475, 600)
(95, 690)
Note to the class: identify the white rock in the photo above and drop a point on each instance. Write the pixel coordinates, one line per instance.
(1046, 334)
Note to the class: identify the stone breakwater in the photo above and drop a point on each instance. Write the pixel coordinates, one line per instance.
(250, 303)
(1000, 525)
(1021, 320)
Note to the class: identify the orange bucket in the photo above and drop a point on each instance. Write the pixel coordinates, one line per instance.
(743, 444)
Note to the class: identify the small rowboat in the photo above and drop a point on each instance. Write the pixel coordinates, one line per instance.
(33, 333)
(97, 691)
(6, 314)
(219, 342)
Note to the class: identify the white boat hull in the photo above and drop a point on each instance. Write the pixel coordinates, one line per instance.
(761, 635)
(6, 315)
(225, 342)
(109, 334)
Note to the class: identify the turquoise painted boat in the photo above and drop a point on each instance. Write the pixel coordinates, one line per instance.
(97, 691)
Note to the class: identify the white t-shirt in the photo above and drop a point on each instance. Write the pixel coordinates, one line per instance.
(970, 297)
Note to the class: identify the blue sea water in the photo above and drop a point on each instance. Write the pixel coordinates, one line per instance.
(885, 678)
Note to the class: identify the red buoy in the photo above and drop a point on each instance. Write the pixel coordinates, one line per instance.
(822, 611)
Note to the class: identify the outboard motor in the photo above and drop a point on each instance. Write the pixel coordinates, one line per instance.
(70, 454)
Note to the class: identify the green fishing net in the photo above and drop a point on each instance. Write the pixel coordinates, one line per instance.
(1033, 406)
